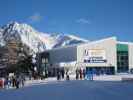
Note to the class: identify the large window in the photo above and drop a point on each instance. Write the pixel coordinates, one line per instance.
(122, 58)
(44, 62)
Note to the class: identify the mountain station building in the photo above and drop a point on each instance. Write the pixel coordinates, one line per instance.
(107, 56)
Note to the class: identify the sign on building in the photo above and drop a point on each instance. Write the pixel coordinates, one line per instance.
(94, 56)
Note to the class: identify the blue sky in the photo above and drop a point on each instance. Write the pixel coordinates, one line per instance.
(90, 19)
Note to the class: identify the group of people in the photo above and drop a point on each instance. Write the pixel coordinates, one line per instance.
(13, 82)
(61, 73)
(18, 81)
(80, 73)
(84, 74)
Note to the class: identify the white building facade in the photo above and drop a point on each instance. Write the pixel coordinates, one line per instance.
(106, 55)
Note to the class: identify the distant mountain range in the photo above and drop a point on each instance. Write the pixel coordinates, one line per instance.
(34, 39)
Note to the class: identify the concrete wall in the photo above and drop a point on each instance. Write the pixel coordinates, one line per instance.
(130, 47)
(65, 54)
(109, 45)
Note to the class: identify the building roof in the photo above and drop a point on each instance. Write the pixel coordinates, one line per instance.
(128, 43)
(91, 42)
(75, 45)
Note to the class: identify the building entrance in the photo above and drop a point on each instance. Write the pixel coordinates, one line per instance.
(101, 70)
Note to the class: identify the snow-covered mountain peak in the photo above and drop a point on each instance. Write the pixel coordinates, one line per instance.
(20, 27)
(36, 41)
(23, 33)
(78, 38)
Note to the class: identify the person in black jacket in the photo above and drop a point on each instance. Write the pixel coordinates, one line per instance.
(67, 75)
(58, 74)
(77, 74)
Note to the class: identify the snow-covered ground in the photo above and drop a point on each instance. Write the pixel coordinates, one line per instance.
(73, 90)
(117, 77)
(53, 80)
